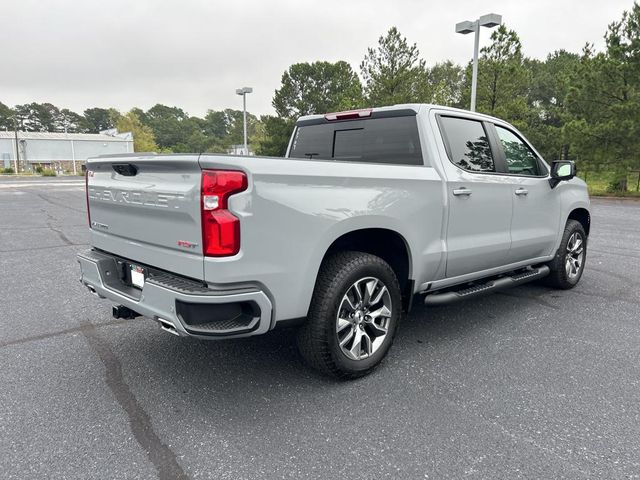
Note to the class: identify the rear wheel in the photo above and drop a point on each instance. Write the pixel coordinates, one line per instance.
(568, 264)
(353, 317)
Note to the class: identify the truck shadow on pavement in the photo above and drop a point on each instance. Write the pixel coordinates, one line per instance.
(235, 367)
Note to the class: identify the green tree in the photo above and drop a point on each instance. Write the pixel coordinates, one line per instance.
(68, 121)
(317, 87)
(6, 117)
(605, 100)
(115, 116)
(393, 72)
(275, 139)
(548, 112)
(235, 127)
(97, 119)
(213, 132)
(37, 117)
(170, 126)
(503, 79)
(143, 140)
(444, 83)
(215, 124)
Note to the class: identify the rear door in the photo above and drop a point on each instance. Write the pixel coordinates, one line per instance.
(480, 207)
(147, 209)
(536, 206)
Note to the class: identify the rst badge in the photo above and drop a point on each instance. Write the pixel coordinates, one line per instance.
(186, 244)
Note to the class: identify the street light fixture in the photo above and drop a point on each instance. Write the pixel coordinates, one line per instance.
(490, 20)
(243, 91)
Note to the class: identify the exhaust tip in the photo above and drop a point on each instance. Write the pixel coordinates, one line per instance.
(168, 326)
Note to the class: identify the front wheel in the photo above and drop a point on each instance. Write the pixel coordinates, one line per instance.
(568, 264)
(354, 314)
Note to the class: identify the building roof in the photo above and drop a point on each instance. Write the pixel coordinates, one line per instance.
(95, 137)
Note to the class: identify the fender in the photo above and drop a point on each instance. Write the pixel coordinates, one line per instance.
(573, 195)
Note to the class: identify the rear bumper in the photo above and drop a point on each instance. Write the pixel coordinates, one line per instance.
(181, 306)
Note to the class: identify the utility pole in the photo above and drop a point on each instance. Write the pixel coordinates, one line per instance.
(16, 159)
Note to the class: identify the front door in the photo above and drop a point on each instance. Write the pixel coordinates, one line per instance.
(536, 206)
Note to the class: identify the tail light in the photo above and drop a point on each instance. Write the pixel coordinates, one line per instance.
(220, 228)
(86, 192)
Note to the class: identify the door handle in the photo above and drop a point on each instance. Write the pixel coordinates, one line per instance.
(462, 191)
(521, 191)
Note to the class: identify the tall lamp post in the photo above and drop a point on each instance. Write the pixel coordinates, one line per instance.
(16, 159)
(490, 20)
(243, 91)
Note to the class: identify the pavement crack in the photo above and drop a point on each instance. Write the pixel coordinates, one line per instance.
(160, 455)
(58, 204)
(34, 338)
(34, 249)
(605, 252)
(61, 234)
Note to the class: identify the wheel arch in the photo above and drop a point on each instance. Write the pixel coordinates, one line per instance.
(583, 216)
(385, 243)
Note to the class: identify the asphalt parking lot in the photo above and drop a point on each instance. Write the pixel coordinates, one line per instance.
(529, 383)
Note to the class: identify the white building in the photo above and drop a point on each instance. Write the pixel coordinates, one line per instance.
(59, 151)
(239, 150)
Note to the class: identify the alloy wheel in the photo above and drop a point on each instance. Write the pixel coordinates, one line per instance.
(574, 258)
(363, 319)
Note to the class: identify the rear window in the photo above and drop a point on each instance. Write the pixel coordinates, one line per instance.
(377, 140)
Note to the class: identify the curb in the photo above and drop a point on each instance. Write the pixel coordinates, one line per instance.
(623, 199)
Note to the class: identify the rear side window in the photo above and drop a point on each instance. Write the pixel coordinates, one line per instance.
(520, 159)
(392, 140)
(468, 145)
(313, 141)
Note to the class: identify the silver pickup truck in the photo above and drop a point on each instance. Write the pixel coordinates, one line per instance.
(369, 210)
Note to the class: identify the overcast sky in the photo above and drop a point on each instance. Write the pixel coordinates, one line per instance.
(194, 53)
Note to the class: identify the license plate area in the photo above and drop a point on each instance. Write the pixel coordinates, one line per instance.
(135, 275)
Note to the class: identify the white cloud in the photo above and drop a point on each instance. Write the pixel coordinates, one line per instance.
(194, 53)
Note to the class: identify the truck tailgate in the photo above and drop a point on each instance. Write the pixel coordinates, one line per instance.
(147, 209)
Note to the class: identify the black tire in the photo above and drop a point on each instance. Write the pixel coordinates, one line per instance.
(318, 339)
(559, 277)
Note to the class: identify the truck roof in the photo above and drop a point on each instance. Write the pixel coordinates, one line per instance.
(416, 107)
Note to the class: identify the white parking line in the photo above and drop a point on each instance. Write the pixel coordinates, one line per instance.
(40, 184)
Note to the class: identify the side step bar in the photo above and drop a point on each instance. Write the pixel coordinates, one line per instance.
(487, 287)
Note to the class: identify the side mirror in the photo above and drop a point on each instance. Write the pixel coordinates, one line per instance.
(562, 170)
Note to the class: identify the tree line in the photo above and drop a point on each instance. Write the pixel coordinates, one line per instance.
(160, 128)
(583, 106)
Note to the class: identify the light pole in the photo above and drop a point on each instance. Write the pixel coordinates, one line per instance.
(243, 91)
(16, 159)
(73, 152)
(490, 20)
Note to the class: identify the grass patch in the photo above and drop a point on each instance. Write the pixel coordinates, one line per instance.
(600, 184)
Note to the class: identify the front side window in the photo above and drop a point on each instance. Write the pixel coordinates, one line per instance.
(468, 144)
(520, 159)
